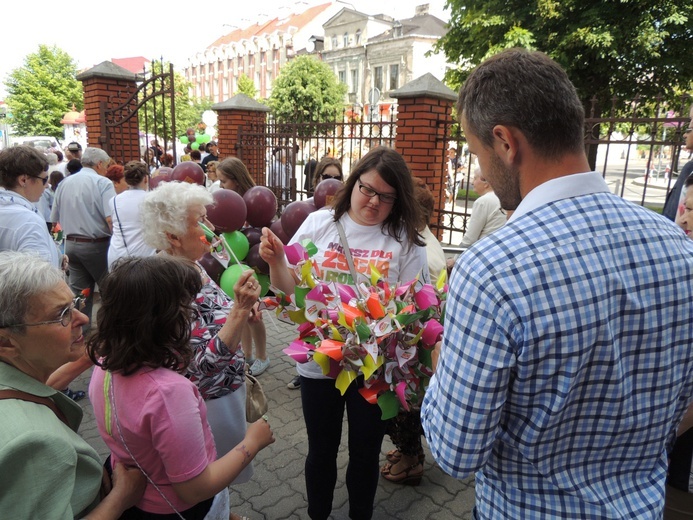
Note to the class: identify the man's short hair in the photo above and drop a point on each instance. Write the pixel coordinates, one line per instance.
(529, 91)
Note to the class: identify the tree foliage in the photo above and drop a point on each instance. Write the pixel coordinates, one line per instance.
(42, 90)
(617, 48)
(247, 86)
(306, 90)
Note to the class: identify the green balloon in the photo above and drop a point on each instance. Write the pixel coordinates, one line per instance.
(184, 139)
(195, 146)
(230, 276)
(238, 243)
(264, 280)
(204, 138)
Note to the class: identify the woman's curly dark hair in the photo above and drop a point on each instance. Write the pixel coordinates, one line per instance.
(145, 315)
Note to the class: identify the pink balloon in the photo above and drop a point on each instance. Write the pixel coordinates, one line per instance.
(253, 259)
(293, 216)
(325, 192)
(189, 171)
(261, 204)
(278, 230)
(227, 212)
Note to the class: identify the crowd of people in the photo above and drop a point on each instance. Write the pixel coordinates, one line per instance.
(563, 380)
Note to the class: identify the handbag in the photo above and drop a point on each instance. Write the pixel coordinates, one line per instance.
(255, 399)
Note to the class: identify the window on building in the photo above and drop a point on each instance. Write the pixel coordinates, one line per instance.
(334, 42)
(354, 80)
(342, 76)
(358, 37)
(263, 58)
(240, 65)
(345, 40)
(394, 77)
(275, 55)
(378, 78)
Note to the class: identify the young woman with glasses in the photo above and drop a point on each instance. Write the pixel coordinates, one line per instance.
(380, 217)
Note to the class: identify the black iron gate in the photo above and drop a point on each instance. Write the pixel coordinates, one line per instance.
(133, 118)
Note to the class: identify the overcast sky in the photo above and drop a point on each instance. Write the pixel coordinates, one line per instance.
(92, 32)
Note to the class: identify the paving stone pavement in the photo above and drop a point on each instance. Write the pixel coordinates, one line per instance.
(277, 490)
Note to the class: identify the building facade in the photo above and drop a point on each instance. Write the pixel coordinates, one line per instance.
(371, 54)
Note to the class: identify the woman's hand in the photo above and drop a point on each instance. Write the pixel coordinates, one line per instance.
(260, 433)
(128, 485)
(271, 248)
(246, 291)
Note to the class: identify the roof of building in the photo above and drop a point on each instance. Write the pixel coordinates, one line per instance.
(136, 64)
(297, 20)
(425, 25)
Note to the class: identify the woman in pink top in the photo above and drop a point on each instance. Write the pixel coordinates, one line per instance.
(147, 412)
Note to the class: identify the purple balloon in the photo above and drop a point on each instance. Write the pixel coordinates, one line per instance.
(253, 259)
(293, 216)
(325, 192)
(212, 266)
(253, 235)
(227, 212)
(278, 230)
(189, 171)
(261, 204)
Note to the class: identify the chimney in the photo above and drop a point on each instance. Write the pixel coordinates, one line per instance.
(421, 10)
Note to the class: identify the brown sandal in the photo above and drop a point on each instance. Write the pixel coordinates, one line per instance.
(395, 456)
(408, 477)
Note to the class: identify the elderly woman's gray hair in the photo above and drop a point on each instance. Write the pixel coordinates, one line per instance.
(165, 210)
(22, 277)
(93, 156)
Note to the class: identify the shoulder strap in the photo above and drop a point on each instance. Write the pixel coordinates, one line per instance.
(24, 396)
(115, 207)
(347, 251)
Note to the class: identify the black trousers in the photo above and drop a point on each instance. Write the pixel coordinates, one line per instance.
(323, 411)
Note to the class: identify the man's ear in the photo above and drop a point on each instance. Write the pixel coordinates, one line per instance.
(506, 144)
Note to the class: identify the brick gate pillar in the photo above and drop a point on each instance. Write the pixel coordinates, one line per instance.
(107, 86)
(424, 111)
(232, 116)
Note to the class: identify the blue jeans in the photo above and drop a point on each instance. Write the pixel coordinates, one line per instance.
(323, 411)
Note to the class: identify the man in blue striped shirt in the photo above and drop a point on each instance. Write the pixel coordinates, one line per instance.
(567, 358)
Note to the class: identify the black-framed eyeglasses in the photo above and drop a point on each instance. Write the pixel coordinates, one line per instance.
(369, 192)
(44, 180)
(328, 176)
(65, 316)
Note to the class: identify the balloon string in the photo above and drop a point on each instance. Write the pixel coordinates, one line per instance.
(273, 322)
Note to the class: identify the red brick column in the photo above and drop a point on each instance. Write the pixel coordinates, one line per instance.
(108, 86)
(424, 111)
(241, 130)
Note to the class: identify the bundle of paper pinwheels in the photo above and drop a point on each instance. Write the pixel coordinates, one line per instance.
(382, 331)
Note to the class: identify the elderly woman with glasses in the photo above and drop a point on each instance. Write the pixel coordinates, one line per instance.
(46, 469)
(174, 212)
(380, 218)
(23, 177)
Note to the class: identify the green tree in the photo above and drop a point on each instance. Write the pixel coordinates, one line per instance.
(247, 86)
(618, 48)
(306, 90)
(188, 112)
(42, 90)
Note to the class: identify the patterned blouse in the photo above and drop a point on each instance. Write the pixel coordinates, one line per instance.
(215, 370)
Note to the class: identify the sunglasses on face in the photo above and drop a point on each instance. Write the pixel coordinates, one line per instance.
(327, 176)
